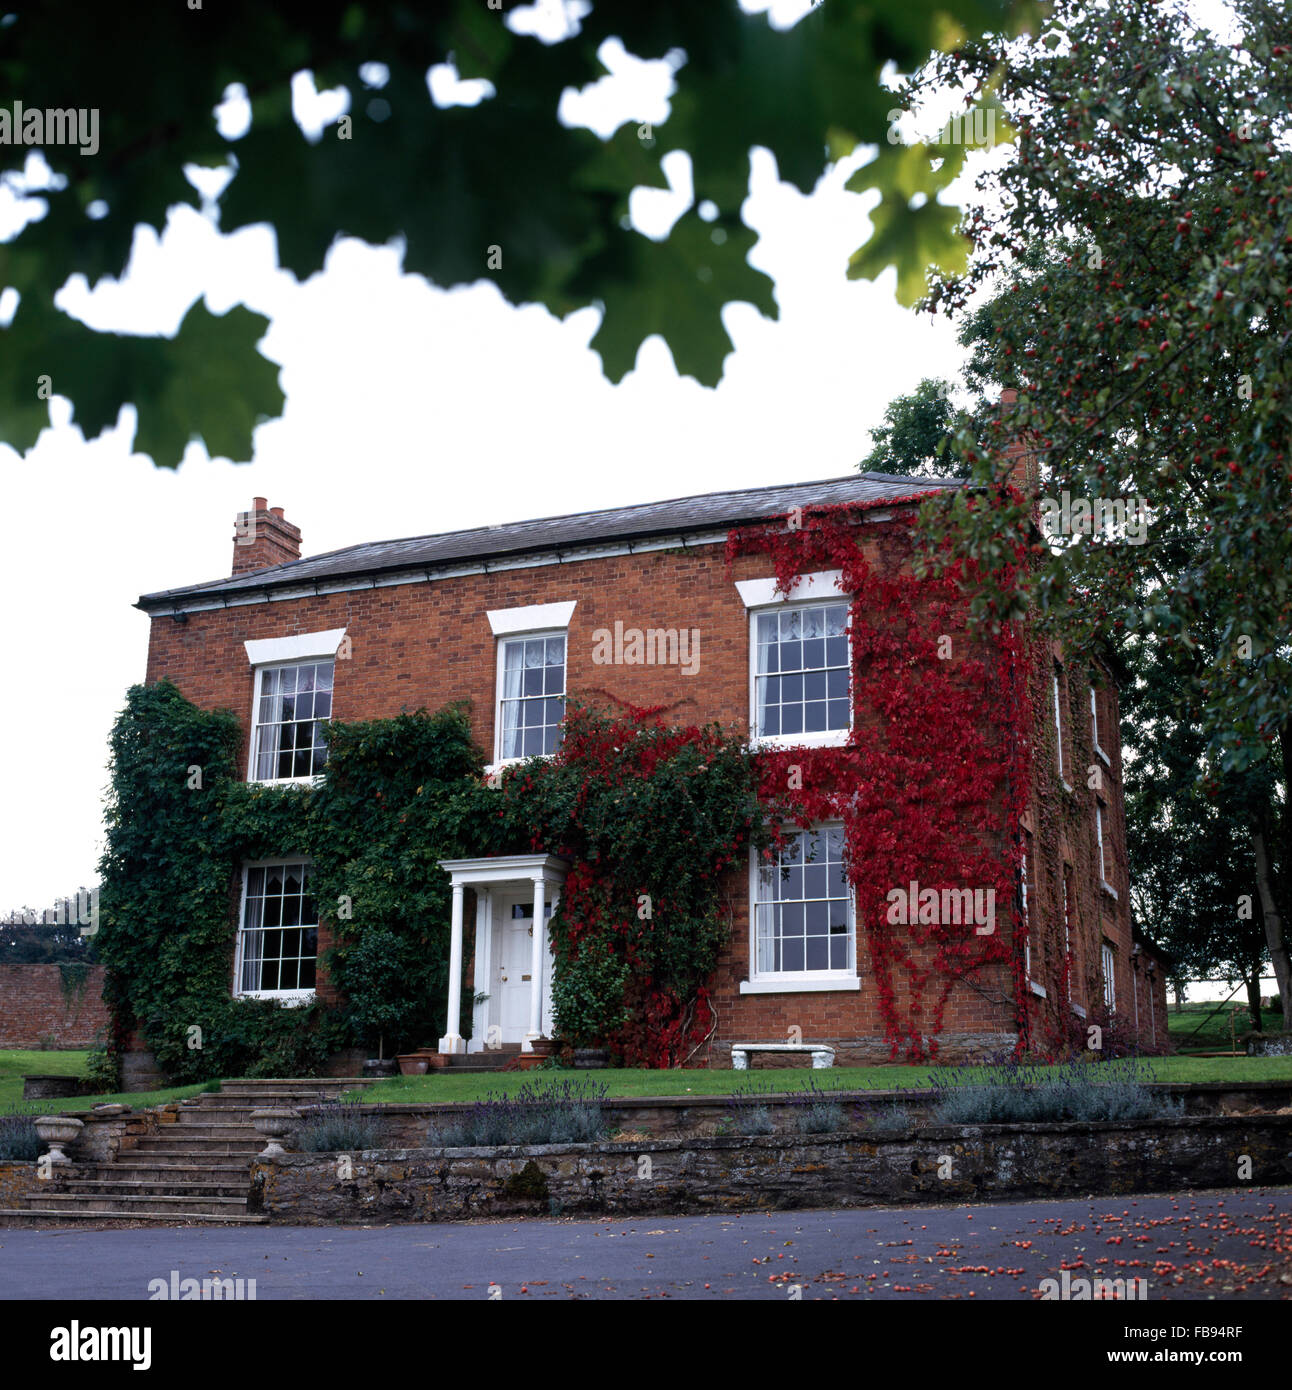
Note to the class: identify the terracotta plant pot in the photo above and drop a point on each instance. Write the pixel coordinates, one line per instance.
(412, 1064)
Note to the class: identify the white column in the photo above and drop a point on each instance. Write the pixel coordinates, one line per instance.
(452, 1040)
(536, 969)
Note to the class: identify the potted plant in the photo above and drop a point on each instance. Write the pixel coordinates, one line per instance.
(588, 996)
(376, 986)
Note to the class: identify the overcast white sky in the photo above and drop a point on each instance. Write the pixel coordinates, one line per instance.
(409, 411)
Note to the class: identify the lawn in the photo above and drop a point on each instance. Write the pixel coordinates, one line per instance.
(444, 1086)
(447, 1087)
(1199, 1028)
(15, 1064)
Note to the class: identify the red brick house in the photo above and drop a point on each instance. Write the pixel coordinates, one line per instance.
(639, 601)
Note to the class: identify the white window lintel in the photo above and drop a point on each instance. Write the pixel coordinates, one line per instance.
(532, 617)
(271, 651)
(823, 584)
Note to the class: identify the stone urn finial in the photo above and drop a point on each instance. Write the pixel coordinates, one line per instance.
(276, 1123)
(57, 1130)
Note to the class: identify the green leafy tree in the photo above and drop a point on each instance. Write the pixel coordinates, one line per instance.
(1136, 245)
(503, 189)
(1192, 864)
(912, 441)
(1139, 231)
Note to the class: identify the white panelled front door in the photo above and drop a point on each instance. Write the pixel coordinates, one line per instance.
(514, 935)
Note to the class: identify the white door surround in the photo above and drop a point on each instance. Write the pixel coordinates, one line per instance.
(513, 1011)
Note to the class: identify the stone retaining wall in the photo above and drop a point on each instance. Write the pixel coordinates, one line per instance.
(946, 1164)
(406, 1126)
(16, 1181)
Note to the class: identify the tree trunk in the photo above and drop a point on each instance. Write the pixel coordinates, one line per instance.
(1273, 918)
(1254, 999)
(1178, 985)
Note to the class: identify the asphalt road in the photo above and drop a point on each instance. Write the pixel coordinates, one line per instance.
(1224, 1245)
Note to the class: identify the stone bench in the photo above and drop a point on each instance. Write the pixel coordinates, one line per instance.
(822, 1053)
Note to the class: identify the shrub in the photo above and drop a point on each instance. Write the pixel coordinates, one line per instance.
(337, 1127)
(103, 1069)
(567, 1112)
(820, 1117)
(1025, 1093)
(884, 1117)
(754, 1119)
(19, 1141)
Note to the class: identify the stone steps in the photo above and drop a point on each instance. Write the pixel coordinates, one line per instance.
(153, 1203)
(234, 1185)
(45, 1216)
(196, 1169)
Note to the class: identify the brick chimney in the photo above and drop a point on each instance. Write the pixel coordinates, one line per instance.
(261, 537)
(1024, 472)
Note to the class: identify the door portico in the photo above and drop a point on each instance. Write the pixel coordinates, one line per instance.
(513, 957)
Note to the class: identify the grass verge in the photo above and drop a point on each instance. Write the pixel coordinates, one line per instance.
(444, 1086)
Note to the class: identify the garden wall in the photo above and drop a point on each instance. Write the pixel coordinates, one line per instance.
(40, 1008)
(934, 1166)
(405, 1126)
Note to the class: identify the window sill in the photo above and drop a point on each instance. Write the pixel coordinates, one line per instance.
(805, 984)
(831, 738)
(1109, 889)
(1038, 990)
(504, 763)
(289, 998)
(314, 781)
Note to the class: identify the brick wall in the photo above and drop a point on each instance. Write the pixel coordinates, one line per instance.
(34, 1007)
(429, 643)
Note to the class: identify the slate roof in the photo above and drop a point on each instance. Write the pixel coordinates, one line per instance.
(679, 516)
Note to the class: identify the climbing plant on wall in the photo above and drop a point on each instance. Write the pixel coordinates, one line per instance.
(650, 816)
(934, 776)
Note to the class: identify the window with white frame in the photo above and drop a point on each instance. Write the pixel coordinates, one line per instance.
(531, 694)
(801, 675)
(1058, 720)
(291, 704)
(1094, 722)
(1026, 924)
(1110, 986)
(278, 936)
(1067, 926)
(1104, 850)
(803, 908)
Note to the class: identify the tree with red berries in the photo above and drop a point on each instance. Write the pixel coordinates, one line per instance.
(1136, 248)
